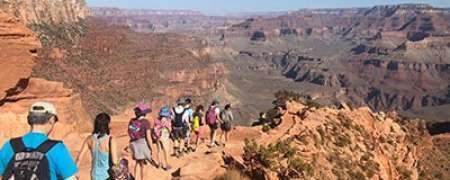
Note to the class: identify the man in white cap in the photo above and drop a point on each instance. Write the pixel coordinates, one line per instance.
(34, 155)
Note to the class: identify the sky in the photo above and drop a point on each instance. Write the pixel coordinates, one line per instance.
(234, 6)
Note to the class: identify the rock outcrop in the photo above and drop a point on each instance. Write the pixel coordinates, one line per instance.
(46, 11)
(18, 46)
(337, 144)
(71, 114)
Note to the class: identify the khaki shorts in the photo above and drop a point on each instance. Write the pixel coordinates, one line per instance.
(141, 150)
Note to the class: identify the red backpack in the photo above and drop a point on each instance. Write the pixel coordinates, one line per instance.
(136, 129)
(211, 115)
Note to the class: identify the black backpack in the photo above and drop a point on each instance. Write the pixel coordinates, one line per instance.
(178, 119)
(29, 164)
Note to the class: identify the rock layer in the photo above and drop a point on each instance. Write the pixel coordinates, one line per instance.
(18, 46)
(46, 11)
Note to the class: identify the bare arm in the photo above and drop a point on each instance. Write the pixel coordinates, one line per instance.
(114, 154)
(149, 137)
(84, 149)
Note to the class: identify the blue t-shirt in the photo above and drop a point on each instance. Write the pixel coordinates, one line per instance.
(60, 161)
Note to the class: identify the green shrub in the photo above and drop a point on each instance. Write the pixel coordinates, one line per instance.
(342, 141)
(52, 34)
(266, 128)
(301, 166)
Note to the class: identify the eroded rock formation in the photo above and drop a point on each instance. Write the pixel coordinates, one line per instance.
(18, 46)
(46, 11)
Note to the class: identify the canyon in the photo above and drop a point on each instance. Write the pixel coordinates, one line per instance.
(349, 66)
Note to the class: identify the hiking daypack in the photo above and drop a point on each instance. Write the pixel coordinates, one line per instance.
(29, 164)
(135, 129)
(178, 119)
(159, 125)
(211, 115)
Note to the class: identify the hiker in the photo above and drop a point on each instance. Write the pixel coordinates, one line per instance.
(213, 120)
(188, 117)
(198, 124)
(34, 156)
(178, 127)
(161, 134)
(139, 131)
(121, 171)
(102, 147)
(227, 119)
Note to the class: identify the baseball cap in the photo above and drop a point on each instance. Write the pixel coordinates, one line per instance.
(41, 112)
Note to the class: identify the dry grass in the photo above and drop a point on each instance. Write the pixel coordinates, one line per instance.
(232, 174)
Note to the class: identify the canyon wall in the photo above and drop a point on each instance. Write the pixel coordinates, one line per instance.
(19, 90)
(46, 11)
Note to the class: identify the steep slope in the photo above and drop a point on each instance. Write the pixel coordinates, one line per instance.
(329, 143)
(113, 67)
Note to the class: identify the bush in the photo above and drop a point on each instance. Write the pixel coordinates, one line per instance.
(278, 157)
(342, 141)
(59, 34)
(301, 167)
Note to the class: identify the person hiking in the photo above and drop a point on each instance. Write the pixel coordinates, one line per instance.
(34, 155)
(139, 131)
(178, 133)
(227, 119)
(102, 147)
(161, 134)
(187, 121)
(121, 171)
(213, 120)
(198, 124)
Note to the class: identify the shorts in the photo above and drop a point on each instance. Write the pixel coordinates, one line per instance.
(178, 133)
(141, 150)
(199, 132)
(187, 132)
(226, 127)
(213, 126)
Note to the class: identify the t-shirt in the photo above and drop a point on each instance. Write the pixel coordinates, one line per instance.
(188, 116)
(60, 161)
(227, 116)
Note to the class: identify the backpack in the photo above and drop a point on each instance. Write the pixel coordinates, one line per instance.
(211, 115)
(159, 125)
(121, 171)
(135, 129)
(178, 119)
(30, 164)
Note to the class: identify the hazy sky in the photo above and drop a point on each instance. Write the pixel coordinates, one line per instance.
(231, 6)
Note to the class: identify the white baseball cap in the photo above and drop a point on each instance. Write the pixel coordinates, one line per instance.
(41, 112)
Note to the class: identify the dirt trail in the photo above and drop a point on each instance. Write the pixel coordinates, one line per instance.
(205, 163)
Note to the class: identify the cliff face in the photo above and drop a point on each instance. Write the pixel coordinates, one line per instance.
(46, 11)
(18, 47)
(18, 90)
